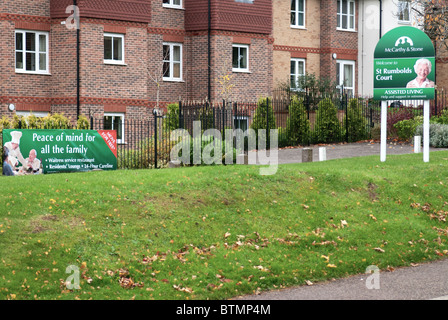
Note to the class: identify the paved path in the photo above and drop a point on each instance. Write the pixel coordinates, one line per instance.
(421, 282)
(348, 150)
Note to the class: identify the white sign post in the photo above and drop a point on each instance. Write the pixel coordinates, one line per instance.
(426, 131)
(403, 68)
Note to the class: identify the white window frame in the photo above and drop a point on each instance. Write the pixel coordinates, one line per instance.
(115, 61)
(37, 114)
(350, 15)
(37, 53)
(172, 62)
(241, 119)
(340, 72)
(172, 4)
(297, 13)
(238, 68)
(296, 74)
(121, 115)
(400, 8)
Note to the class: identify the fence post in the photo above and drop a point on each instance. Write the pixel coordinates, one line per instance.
(180, 115)
(346, 116)
(155, 139)
(267, 125)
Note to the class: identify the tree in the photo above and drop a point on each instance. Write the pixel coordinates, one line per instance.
(432, 17)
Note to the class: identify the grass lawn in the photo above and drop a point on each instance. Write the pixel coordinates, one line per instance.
(216, 232)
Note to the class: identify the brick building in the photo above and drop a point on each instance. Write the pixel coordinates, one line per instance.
(126, 47)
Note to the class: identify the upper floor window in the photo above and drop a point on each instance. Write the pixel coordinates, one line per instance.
(298, 13)
(172, 61)
(172, 3)
(404, 11)
(346, 14)
(240, 57)
(113, 48)
(32, 54)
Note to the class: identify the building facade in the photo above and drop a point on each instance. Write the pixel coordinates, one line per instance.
(121, 59)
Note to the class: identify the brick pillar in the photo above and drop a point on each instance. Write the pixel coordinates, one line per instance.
(328, 24)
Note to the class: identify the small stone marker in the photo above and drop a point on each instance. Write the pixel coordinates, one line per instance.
(307, 155)
(174, 164)
(242, 158)
(322, 154)
(417, 144)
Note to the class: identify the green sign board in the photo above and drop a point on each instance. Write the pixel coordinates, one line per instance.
(404, 65)
(50, 151)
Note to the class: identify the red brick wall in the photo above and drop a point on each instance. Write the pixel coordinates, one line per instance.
(124, 88)
(343, 43)
(229, 15)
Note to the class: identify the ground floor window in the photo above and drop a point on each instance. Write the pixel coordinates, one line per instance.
(241, 122)
(297, 71)
(345, 75)
(115, 121)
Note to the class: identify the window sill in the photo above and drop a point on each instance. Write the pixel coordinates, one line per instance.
(172, 7)
(241, 71)
(173, 80)
(115, 63)
(346, 30)
(33, 72)
(298, 27)
(407, 23)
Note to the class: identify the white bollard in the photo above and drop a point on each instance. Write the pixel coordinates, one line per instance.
(417, 144)
(322, 154)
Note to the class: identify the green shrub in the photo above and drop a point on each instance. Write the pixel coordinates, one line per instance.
(264, 111)
(442, 118)
(171, 121)
(438, 134)
(297, 125)
(327, 127)
(406, 128)
(357, 124)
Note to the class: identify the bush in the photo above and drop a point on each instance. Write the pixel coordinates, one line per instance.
(327, 127)
(442, 118)
(297, 125)
(357, 124)
(264, 110)
(171, 121)
(438, 134)
(405, 129)
(394, 117)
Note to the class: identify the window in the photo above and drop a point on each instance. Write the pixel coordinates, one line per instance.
(113, 48)
(241, 122)
(298, 13)
(37, 114)
(172, 61)
(240, 58)
(345, 75)
(297, 71)
(404, 11)
(32, 52)
(115, 121)
(172, 3)
(346, 14)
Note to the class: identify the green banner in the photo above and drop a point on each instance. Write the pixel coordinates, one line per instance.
(404, 65)
(50, 151)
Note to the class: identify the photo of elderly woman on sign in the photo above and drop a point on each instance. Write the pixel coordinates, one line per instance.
(422, 68)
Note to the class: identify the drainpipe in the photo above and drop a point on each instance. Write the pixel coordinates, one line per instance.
(381, 18)
(78, 25)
